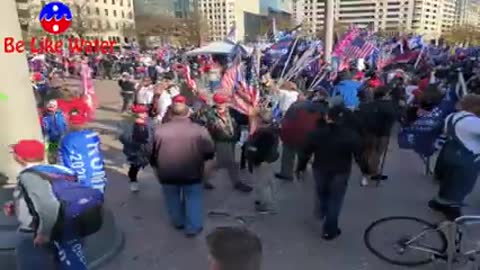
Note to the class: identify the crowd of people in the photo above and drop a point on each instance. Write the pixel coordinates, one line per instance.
(185, 133)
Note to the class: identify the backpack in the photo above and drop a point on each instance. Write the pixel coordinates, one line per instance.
(454, 151)
(81, 207)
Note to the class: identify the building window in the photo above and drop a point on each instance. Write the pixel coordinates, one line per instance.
(114, 13)
(121, 3)
(106, 12)
(129, 3)
(116, 26)
(130, 15)
(88, 10)
(97, 11)
(104, 1)
(123, 14)
(113, 2)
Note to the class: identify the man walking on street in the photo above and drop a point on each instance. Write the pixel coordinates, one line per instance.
(178, 160)
(225, 133)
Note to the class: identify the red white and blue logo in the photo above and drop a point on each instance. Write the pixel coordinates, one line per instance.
(55, 18)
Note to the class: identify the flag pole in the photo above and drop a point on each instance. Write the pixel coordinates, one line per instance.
(288, 59)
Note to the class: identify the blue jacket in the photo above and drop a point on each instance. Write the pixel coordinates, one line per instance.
(348, 89)
(80, 151)
(54, 126)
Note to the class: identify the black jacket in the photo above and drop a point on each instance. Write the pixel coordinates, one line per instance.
(262, 146)
(378, 116)
(333, 146)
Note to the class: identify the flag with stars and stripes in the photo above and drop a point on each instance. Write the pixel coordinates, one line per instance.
(244, 95)
(359, 48)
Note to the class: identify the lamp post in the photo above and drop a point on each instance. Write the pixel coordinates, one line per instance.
(329, 26)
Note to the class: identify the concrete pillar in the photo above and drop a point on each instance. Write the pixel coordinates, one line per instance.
(329, 27)
(18, 112)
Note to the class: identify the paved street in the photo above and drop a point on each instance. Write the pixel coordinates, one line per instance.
(291, 239)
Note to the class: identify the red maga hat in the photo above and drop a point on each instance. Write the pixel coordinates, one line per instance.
(179, 99)
(220, 98)
(37, 76)
(139, 108)
(77, 117)
(29, 150)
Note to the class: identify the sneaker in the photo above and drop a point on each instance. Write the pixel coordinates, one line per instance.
(333, 236)
(208, 186)
(242, 187)
(283, 177)
(193, 234)
(364, 182)
(450, 212)
(263, 208)
(134, 187)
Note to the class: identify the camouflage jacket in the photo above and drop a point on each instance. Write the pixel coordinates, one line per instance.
(223, 129)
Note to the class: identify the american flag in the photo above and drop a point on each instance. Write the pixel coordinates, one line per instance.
(360, 48)
(244, 96)
(232, 34)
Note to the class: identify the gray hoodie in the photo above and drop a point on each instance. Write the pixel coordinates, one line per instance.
(43, 214)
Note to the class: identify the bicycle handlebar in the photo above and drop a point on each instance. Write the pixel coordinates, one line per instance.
(467, 218)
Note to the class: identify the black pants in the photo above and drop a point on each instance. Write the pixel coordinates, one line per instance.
(128, 99)
(133, 172)
(330, 189)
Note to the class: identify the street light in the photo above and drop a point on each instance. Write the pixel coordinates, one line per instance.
(329, 26)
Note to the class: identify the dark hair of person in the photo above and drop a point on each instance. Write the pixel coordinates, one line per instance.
(430, 98)
(380, 92)
(235, 248)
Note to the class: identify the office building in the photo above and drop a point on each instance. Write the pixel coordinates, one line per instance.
(428, 17)
(221, 15)
(468, 13)
(281, 5)
(432, 18)
(105, 19)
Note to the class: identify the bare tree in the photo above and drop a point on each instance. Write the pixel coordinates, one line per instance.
(195, 29)
(85, 16)
(29, 21)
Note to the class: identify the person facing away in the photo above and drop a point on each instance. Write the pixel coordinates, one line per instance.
(334, 144)
(262, 149)
(80, 151)
(234, 248)
(378, 118)
(459, 158)
(38, 211)
(178, 160)
(348, 89)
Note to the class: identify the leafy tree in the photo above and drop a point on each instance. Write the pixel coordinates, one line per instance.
(463, 34)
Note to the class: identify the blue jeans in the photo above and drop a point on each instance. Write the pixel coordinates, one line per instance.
(185, 206)
(30, 257)
(330, 192)
(65, 255)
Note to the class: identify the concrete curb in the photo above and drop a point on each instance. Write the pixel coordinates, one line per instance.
(111, 254)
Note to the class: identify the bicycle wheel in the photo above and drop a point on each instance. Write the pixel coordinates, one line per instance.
(417, 246)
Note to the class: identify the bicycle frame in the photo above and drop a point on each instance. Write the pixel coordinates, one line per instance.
(453, 248)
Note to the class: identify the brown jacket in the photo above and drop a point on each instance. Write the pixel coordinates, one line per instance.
(180, 150)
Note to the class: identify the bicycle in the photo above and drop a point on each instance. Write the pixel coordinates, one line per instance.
(411, 249)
